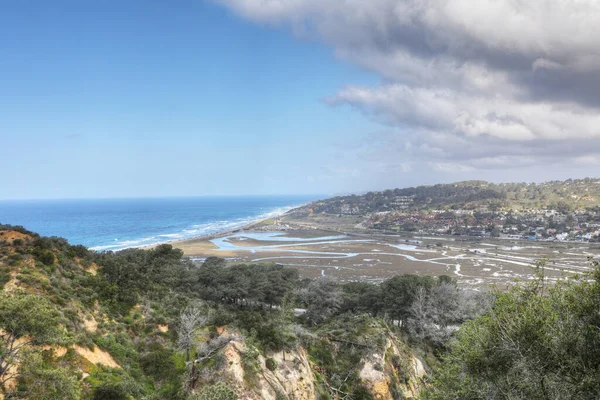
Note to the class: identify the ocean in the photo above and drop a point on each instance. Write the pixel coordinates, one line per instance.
(115, 224)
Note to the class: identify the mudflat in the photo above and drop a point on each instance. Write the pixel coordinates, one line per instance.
(370, 257)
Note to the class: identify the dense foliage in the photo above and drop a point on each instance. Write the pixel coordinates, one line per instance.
(165, 322)
(537, 342)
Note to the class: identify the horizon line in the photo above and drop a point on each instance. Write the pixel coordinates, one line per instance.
(159, 197)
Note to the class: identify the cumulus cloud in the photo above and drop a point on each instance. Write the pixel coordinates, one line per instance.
(470, 115)
(465, 85)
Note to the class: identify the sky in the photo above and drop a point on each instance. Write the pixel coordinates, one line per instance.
(246, 97)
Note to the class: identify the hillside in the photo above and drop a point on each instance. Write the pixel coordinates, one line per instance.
(576, 193)
(148, 324)
(557, 210)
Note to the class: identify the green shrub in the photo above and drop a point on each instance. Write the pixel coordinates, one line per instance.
(46, 257)
(39, 379)
(110, 392)
(79, 251)
(121, 348)
(4, 276)
(250, 363)
(280, 396)
(14, 259)
(159, 364)
(271, 364)
(219, 391)
(538, 343)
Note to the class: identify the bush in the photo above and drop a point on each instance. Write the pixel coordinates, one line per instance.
(14, 259)
(38, 379)
(4, 277)
(110, 392)
(159, 364)
(271, 364)
(46, 257)
(120, 347)
(79, 251)
(535, 337)
(219, 391)
(17, 228)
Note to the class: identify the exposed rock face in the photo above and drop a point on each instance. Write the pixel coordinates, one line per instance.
(415, 384)
(392, 373)
(97, 356)
(234, 369)
(374, 377)
(10, 236)
(291, 375)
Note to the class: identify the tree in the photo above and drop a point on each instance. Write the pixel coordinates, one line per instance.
(362, 297)
(46, 257)
(283, 324)
(26, 320)
(190, 320)
(39, 380)
(323, 298)
(536, 343)
(563, 207)
(419, 311)
(399, 292)
(434, 310)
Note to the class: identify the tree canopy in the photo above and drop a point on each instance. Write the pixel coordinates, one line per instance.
(537, 342)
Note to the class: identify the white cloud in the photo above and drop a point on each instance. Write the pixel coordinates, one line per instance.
(542, 63)
(450, 167)
(588, 160)
(465, 114)
(492, 83)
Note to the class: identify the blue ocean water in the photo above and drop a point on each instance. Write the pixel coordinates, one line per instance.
(114, 224)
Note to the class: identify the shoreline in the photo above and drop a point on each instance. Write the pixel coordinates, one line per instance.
(208, 236)
(217, 234)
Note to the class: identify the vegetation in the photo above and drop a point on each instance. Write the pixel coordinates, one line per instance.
(217, 391)
(150, 324)
(25, 320)
(40, 379)
(561, 195)
(537, 342)
(568, 210)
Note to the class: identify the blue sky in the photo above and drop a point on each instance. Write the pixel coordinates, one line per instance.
(105, 99)
(154, 98)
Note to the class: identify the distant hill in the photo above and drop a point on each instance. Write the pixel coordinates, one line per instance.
(572, 193)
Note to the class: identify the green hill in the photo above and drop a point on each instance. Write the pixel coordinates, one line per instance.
(573, 193)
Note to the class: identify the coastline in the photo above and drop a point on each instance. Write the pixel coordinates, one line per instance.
(208, 236)
(221, 233)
